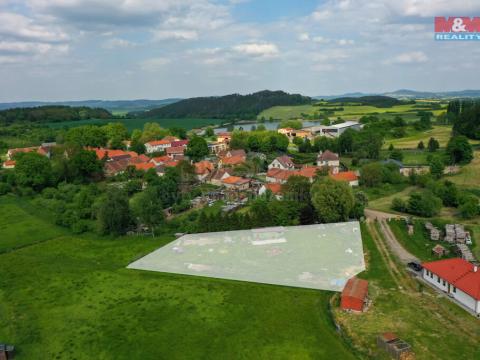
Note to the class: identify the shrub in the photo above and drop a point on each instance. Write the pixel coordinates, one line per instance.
(399, 205)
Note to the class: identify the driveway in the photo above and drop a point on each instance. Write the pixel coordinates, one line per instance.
(396, 248)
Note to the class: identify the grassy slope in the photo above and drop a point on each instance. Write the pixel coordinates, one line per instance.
(470, 174)
(72, 298)
(350, 111)
(436, 328)
(441, 133)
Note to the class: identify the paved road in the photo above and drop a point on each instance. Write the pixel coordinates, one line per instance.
(404, 256)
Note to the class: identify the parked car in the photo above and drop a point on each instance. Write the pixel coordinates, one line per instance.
(415, 266)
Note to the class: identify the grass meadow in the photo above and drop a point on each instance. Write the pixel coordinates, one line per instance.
(71, 297)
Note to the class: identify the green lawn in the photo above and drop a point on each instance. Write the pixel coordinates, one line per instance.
(434, 327)
(470, 174)
(418, 244)
(132, 124)
(441, 133)
(71, 297)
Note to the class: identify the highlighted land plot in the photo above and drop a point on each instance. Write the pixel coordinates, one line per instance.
(320, 256)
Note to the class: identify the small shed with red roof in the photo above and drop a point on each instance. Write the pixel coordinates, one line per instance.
(354, 295)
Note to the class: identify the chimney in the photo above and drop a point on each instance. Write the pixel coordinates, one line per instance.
(475, 268)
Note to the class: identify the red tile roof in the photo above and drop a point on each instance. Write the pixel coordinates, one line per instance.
(280, 174)
(158, 142)
(9, 163)
(160, 159)
(175, 150)
(179, 143)
(345, 176)
(203, 166)
(274, 188)
(458, 272)
(285, 160)
(327, 155)
(354, 294)
(235, 180)
(144, 166)
(171, 163)
(233, 160)
(308, 171)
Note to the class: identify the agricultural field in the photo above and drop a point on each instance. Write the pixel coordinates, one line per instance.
(412, 311)
(132, 124)
(440, 133)
(71, 297)
(408, 111)
(469, 176)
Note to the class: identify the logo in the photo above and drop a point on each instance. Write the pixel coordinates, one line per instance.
(457, 28)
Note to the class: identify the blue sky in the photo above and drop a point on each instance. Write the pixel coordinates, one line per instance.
(127, 49)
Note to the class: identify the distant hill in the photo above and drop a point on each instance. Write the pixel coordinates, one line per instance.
(233, 106)
(411, 94)
(110, 105)
(373, 100)
(49, 114)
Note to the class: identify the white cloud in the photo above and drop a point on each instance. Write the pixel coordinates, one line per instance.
(409, 58)
(304, 37)
(175, 35)
(116, 43)
(18, 26)
(320, 15)
(154, 64)
(262, 50)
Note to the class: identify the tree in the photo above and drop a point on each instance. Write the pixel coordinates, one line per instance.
(294, 124)
(361, 201)
(33, 170)
(424, 204)
(147, 209)
(116, 133)
(209, 132)
(297, 188)
(470, 208)
(113, 212)
(84, 165)
(398, 121)
(152, 131)
(197, 148)
(436, 167)
(391, 147)
(333, 200)
(459, 150)
(421, 145)
(396, 155)
(433, 145)
(372, 174)
(399, 205)
(88, 135)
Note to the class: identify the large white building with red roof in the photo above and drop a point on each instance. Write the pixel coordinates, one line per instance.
(459, 278)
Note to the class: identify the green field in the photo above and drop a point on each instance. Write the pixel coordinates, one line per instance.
(132, 124)
(71, 297)
(469, 176)
(408, 111)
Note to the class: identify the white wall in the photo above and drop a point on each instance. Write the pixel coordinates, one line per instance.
(466, 300)
(434, 281)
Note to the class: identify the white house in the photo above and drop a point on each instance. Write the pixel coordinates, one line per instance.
(330, 160)
(282, 162)
(458, 278)
(157, 146)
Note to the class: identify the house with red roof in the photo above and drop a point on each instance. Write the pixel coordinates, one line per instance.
(354, 295)
(203, 169)
(157, 145)
(160, 160)
(219, 175)
(282, 162)
(42, 150)
(236, 183)
(350, 177)
(9, 164)
(175, 151)
(232, 160)
(329, 160)
(276, 190)
(458, 278)
(279, 176)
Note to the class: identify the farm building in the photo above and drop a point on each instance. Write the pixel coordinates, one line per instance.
(439, 251)
(354, 295)
(396, 347)
(459, 278)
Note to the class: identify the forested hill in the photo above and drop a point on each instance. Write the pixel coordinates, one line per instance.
(46, 114)
(233, 106)
(374, 100)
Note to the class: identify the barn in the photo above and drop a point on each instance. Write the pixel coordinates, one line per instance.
(354, 295)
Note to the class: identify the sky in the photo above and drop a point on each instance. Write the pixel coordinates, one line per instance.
(154, 49)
